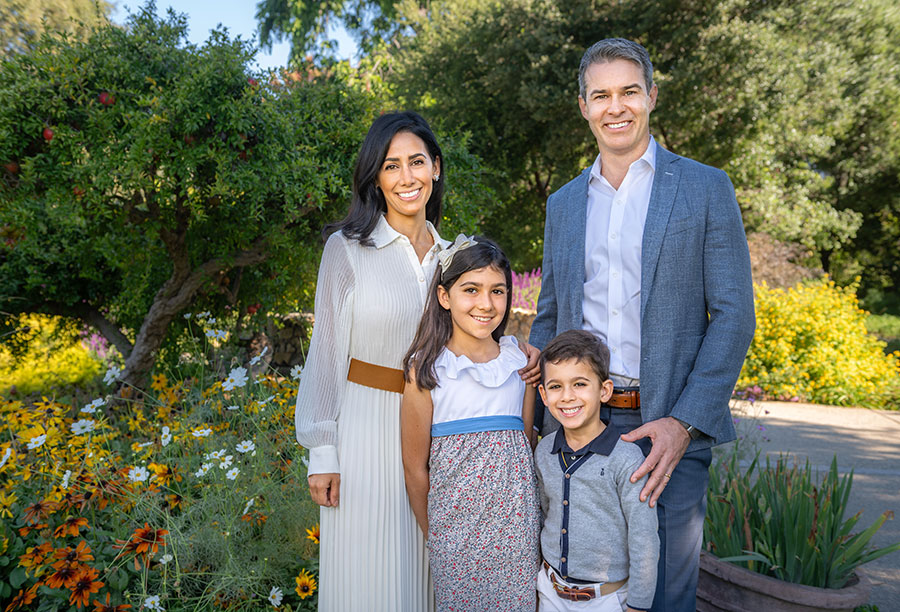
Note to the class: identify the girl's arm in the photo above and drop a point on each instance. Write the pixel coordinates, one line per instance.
(415, 439)
(528, 415)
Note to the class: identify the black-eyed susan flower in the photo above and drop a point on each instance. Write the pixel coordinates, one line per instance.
(313, 534)
(306, 584)
(83, 585)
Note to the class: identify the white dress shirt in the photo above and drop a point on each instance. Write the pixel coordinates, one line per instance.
(612, 260)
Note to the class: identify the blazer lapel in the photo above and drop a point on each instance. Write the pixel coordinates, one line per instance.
(577, 210)
(662, 197)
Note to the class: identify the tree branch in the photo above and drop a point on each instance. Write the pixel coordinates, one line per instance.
(93, 317)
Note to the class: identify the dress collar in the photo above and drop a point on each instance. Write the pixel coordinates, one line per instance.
(384, 234)
(601, 445)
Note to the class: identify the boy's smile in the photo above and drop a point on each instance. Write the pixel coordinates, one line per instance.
(574, 393)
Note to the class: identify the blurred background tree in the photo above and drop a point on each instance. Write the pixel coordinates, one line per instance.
(23, 21)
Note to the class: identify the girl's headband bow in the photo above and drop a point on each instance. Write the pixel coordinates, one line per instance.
(445, 257)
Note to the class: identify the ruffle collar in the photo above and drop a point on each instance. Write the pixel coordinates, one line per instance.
(491, 373)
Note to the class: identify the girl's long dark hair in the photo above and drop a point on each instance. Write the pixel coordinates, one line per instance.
(436, 326)
(367, 203)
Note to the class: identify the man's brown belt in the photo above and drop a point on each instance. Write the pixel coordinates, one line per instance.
(625, 398)
(376, 376)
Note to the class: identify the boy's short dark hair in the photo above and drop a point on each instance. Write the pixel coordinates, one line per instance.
(579, 345)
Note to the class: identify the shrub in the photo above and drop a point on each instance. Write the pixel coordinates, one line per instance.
(192, 491)
(811, 344)
(52, 356)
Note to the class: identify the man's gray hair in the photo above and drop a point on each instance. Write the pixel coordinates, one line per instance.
(610, 49)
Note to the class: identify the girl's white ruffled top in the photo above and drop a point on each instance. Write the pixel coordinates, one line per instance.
(460, 402)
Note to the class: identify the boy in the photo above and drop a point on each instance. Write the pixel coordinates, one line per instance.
(599, 542)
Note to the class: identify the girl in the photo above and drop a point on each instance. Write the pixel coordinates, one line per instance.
(465, 427)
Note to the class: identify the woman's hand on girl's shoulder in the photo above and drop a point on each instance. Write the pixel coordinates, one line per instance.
(531, 373)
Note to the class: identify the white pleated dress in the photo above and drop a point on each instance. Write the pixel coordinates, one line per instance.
(368, 304)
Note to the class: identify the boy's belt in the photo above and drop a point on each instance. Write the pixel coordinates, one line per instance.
(584, 593)
(626, 397)
(376, 376)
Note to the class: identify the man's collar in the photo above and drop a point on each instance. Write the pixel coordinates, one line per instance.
(601, 445)
(648, 157)
(384, 234)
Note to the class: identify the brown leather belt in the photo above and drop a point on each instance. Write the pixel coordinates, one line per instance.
(629, 398)
(581, 594)
(376, 376)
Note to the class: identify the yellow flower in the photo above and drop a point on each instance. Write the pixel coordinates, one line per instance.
(160, 382)
(6, 501)
(306, 584)
(313, 534)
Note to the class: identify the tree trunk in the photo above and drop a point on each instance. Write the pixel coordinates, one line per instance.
(174, 296)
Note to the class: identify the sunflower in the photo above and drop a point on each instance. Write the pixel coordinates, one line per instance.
(83, 585)
(313, 534)
(306, 584)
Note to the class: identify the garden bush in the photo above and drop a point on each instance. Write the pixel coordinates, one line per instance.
(189, 495)
(811, 344)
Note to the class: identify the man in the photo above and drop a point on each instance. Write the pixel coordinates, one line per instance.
(647, 250)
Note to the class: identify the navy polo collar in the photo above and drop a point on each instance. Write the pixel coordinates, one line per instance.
(601, 445)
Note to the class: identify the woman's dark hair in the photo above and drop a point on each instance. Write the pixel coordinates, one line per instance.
(367, 203)
(436, 325)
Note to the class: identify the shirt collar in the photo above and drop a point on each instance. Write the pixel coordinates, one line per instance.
(601, 445)
(384, 234)
(648, 158)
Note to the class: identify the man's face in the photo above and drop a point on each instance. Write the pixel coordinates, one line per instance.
(617, 107)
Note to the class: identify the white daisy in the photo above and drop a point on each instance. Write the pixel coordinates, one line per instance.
(275, 596)
(245, 447)
(249, 505)
(6, 456)
(166, 436)
(203, 470)
(65, 481)
(153, 603)
(226, 462)
(37, 441)
(232, 407)
(296, 371)
(138, 474)
(201, 433)
(83, 426)
(232, 473)
(111, 375)
(237, 378)
(92, 407)
(165, 559)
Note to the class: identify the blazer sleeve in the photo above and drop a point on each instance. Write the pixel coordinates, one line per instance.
(544, 326)
(728, 291)
(324, 378)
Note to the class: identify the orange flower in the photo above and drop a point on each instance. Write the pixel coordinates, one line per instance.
(64, 576)
(36, 556)
(306, 584)
(107, 607)
(23, 598)
(83, 585)
(68, 555)
(40, 510)
(173, 501)
(144, 542)
(257, 517)
(164, 474)
(71, 526)
(313, 534)
(24, 531)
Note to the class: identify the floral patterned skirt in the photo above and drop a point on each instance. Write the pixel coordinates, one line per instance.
(484, 520)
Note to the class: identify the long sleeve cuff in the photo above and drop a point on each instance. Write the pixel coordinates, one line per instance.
(324, 460)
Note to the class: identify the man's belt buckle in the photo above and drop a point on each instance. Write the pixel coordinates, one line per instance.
(629, 398)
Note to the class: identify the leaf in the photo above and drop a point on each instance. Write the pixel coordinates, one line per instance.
(17, 577)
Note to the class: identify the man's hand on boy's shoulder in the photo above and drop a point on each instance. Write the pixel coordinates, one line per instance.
(669, 442)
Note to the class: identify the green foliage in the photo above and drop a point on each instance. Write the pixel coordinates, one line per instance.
(304, 24)
(23, 21)
(811, 344)
(783, 522)
(887, 328)
(53, 357)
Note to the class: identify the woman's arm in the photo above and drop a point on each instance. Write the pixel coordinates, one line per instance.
(415, 439)
(324, 376)
(528, 415)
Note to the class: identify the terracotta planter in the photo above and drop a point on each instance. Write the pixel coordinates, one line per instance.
(727, 587)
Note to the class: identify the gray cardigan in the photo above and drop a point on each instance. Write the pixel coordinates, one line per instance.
(609, 533)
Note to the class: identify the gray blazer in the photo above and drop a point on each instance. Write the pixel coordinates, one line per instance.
(697, 316)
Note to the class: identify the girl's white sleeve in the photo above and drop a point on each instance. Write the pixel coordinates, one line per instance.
(324, 378)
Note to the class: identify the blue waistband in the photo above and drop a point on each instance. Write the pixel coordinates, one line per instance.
(476, 424)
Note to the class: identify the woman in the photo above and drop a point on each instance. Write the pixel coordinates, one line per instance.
(371, 290)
